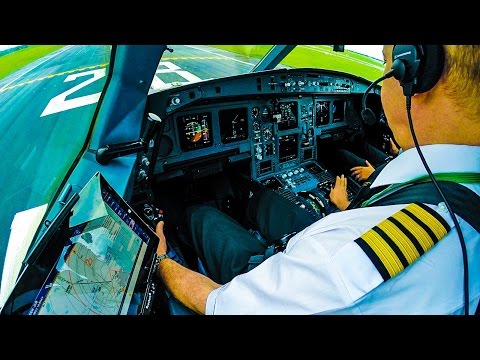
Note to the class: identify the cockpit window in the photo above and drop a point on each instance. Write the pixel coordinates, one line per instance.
(186, 64)
(48, 97)
(361, 60)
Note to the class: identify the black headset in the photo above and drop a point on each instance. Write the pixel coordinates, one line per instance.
(417, 67)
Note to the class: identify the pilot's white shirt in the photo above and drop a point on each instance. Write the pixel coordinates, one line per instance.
(323, 271)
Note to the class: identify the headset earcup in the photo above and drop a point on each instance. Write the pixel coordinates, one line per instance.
(418, 67)
(431, 70)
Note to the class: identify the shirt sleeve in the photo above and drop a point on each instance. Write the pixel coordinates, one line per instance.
(283, 284)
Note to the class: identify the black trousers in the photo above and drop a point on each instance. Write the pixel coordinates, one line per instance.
(224, 246)
(350, 157)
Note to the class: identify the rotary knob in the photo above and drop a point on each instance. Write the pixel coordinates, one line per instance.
(175, 100)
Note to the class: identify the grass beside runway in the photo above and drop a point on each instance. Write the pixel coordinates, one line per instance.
(18, 59)
(317, 56)
(252, 51)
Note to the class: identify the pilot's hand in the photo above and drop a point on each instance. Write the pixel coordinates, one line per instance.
(338, 193)
(162, 243)
(362, 173)
(393, 148)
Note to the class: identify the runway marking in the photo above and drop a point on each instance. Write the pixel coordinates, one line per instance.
(33, 67)
(193, 58)
(169, 67)
(223, 56)
(59, 103)
(218, 57)
(53, 75)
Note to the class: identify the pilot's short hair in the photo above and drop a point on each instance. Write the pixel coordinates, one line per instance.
(462, 76)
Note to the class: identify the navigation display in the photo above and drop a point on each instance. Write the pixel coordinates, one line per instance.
(99, 266)
(322, 113)
(195, 131)
(233, 125)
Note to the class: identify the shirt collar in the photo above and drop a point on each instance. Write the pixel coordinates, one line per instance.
(441, 158)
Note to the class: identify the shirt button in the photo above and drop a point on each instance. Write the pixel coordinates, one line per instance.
(442, 207)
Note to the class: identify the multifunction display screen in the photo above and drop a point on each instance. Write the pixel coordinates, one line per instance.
(286, 115)
(287, 147)
(233, 124)
(195, 131)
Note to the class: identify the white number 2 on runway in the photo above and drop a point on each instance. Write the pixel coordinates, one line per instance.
(59, 103)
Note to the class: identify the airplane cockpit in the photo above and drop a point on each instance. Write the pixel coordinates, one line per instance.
(202, 142)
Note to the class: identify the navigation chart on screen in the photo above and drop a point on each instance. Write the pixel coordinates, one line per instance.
(99, 265)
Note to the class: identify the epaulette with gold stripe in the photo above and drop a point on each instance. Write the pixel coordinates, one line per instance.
(402, 238)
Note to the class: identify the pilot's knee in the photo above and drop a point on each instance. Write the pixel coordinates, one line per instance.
(200, 214)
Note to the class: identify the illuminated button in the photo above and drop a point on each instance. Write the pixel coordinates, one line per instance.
(301, 169)
(284, 176)
(290, 173)
(295, 171)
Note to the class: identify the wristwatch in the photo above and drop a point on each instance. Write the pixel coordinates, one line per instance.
(162, 257)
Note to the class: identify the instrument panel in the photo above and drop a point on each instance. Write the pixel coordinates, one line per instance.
(276, 133)
(277, 126)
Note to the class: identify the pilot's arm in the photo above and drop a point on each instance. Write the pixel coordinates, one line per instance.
(187, 286)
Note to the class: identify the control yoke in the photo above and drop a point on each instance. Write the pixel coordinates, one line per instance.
(109, 152)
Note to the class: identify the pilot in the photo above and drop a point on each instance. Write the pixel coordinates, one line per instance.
(350, 262)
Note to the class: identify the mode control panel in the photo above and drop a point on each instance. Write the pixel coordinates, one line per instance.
(310, 82)
(298, 179)
(306, 177)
